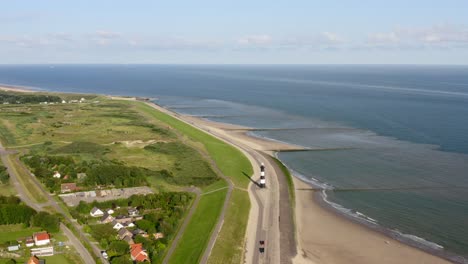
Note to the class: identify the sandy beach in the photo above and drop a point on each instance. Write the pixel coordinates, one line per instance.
(8, 88)
(322, 235)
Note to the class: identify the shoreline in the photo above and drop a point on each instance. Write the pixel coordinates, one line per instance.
(334, 237)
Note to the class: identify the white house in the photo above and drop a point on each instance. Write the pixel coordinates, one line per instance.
(116, 225)
(29, 242)
(133, 212)
(14, 248)
(96, 212)
(41, 238)
(57, 175)
(110, 211)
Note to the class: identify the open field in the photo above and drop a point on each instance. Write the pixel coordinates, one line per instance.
(228, 248)
(13, 232)
(196, 236)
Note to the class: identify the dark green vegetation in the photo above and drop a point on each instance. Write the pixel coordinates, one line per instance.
(22, 98)
(190, 168)
(4, 176)
(160, 213)
(13, 211)
(98, 172)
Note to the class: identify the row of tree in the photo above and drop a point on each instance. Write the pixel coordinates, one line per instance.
(16, 98)
(13, 211)
(98, 172)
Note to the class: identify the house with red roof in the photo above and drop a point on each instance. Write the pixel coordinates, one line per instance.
(137, 253)
(41, 238)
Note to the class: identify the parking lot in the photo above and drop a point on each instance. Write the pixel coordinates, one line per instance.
(72, 199)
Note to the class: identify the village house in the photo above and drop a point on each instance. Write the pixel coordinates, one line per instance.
(137, 253)
(29, 242)
(110, 211)
(41, 238)
(129, 240)
(35, 260)
(107, 218)
(123, 219)
(117, 225)
(96, 212)
(158, 235)
(140, 232)
(68, 187)
(133, 212)
(14, 248)
(124, 233)
(81, 175)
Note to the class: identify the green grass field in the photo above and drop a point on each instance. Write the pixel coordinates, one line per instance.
(229, 245)
(196, 236)
(13, 232)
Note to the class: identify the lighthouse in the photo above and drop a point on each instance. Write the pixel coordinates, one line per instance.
(262, 176)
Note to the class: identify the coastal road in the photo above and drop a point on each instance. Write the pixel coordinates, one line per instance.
(280, 244)
(14, 179)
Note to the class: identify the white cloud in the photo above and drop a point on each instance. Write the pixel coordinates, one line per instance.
(262, 39)
(108, 34)
(435, 36)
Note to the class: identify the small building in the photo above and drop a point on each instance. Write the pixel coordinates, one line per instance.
(14, 248)
(123, 219)
(133, 212)
(68, 187)
(117, 225)
(35, 260)
(107, 218)
(129, 240)
(158, 235)
(110, 211)
(57, 175)
(124, 233)
(96, 212)
(29, 242)
(42, 251)
(41, 238)
(131, 224)
(81, 175)
(137, 253)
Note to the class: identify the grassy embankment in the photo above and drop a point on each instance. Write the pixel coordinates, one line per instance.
(233, 164)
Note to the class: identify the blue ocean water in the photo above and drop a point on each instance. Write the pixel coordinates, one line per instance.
(390, 142)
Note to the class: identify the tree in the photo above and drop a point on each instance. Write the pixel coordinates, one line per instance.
(46, 221)
(119, 247)
(125, 259)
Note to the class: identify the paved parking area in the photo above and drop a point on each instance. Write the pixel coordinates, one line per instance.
(73, 199)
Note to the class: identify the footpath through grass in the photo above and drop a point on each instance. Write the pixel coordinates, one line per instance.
(233, 164)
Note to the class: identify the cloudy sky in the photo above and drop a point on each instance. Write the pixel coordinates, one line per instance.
(240, 31)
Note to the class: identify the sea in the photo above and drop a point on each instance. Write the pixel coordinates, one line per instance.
(388, 143)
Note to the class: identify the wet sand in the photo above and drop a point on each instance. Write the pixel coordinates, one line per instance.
(322, 235)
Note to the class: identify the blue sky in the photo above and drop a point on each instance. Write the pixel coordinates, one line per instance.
(245, 32)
